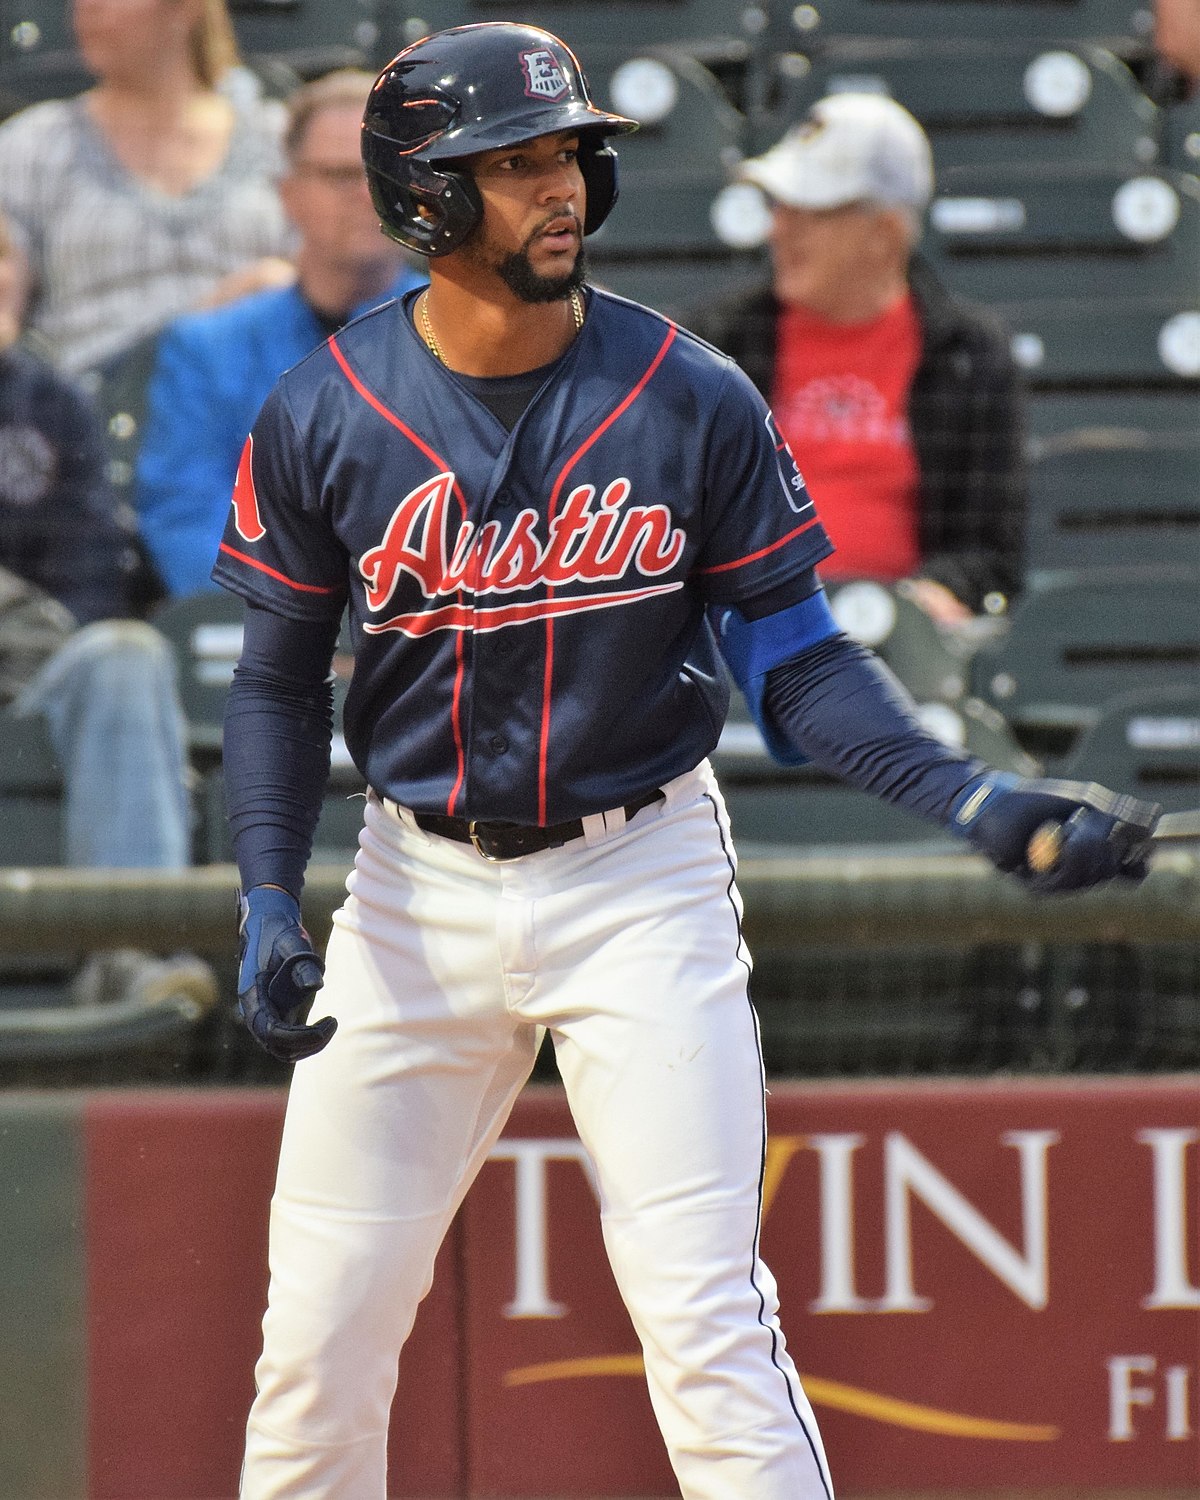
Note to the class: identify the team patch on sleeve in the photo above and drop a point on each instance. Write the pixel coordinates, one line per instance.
(788, 469)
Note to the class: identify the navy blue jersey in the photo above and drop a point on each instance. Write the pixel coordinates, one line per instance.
(527, 608)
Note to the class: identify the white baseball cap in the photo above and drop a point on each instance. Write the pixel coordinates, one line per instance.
(851, 148)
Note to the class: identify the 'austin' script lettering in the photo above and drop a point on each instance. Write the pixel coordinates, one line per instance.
(592, 539)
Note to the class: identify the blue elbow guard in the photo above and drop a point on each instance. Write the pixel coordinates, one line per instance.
(752, 647)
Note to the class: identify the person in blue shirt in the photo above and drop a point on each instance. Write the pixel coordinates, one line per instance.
(214, 369)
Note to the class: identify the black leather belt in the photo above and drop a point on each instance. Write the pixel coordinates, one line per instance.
(499, 841)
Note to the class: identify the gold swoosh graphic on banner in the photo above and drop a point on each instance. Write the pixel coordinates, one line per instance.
(832, 1393)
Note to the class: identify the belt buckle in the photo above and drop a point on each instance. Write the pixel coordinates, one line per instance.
(473, 832)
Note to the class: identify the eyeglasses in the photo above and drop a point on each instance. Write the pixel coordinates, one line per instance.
(336, 175)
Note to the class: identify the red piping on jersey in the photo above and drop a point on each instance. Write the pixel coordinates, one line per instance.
(740, 562)
(374, 402)
(253, 562)
(544, 741)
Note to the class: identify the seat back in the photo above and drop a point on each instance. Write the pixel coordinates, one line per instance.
(1146, 742)
(1016, 234)
(1108, 499)
(1119, 23)
(31, 793)
(205, 632)
(1083, 640)
(38, 59)
(705, 27)
(1054, 413)
(674, 167)
(1009, 100)
(307, 37)
(1181, 133)
(1150, 343)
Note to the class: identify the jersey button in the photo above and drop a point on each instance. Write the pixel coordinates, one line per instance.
(498, 745)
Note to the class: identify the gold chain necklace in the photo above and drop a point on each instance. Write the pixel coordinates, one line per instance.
(436, 349)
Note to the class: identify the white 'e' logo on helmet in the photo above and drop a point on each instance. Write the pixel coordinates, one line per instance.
(544, 79)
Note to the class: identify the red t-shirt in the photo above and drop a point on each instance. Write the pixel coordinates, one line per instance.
(841, 400)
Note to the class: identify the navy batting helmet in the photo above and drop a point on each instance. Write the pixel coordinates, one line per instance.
(469, 89)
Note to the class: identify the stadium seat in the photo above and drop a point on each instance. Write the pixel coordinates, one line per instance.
(118, 390)
(676, 165)
(710, 29)
(772, 804)
(1146, 742)
(1013, 234)
(675, 284)
(1107, 499)
(1081, 641)
(205, 630)
(1052, 412)
(1181, 134)
(1150, 342)
(306, 37)
(1002, 102)
(931, 663)
(31, 792)
(38, 59)
(1119, 23)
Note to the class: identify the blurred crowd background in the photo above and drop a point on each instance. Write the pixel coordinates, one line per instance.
(955, 242)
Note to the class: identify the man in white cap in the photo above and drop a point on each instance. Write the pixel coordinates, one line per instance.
(900, 402)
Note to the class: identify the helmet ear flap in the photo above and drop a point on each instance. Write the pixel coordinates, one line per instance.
(598, 164)
(427, 209)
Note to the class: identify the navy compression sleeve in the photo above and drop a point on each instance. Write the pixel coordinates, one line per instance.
(841, 706)
(278, 728)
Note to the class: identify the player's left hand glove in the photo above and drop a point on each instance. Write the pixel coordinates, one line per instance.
(1099, 835)
(278, 975)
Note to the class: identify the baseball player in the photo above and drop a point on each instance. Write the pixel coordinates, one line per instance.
(536, 501)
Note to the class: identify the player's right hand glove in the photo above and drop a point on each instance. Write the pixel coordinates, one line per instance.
(278, 975)
(1099, 835)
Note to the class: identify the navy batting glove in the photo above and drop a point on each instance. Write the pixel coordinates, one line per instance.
(278, 975)
(1085, 834)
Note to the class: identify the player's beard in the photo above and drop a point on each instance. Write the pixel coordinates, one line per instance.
(518, 275)
(516, 269)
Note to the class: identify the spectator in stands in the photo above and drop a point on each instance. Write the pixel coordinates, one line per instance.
(104, 683)
(214, 369)
(140, 197)
(1177, 37)
(900, 402)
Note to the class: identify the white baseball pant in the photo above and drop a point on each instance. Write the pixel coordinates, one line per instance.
(444, 970)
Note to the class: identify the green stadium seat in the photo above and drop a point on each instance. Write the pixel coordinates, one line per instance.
(706, 28)
(1149, 342)
(675, 284)
(31, 793)
(1181, 134)
(1119, 23)
(1147, 743)
(1004, 102)
(1081, 641)
(674, 167)
(205, 631)
(1107, 499)
(1051, 413)
(307, 37)
(772, 805)
(1005, 234)
(38, 59)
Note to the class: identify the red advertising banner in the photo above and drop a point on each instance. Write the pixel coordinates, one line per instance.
(984, 1284)
(178, 1188)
